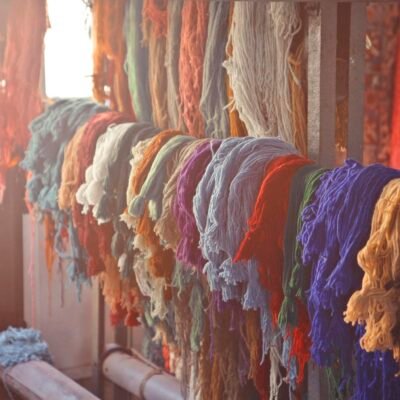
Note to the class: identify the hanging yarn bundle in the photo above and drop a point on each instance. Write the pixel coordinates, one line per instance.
(94, 238)
(191, 58)
(376, 375)
(148, 205)
(174, 9)
(20, 99)
(136, 61)
(331, 240)
(237, 254)
(293, 318)
(214, 100)
(70, 170)
(155, 20)
(113, 202)
(98, 239)
(376, 303)
(188, 250)
(258, 68)
(166, 227)
(266, 225)
(237, 126)
(110, 82)
(44, 158)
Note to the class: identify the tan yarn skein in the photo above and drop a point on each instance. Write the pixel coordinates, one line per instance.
(376, 305)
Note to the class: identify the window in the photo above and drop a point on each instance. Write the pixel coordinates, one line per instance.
(68, 50)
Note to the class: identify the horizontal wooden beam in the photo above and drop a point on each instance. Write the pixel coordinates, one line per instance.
(138, 377)
(38, 380)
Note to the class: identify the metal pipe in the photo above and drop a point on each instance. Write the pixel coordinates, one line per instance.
(139, 377)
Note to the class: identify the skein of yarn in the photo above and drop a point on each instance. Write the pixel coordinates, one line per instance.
(191, 59)
(136, 61)
(266, 225)
(155, 19)
(214, 100)
(258, 68)
(329, 230)
(188, 250)
(174, 9)
(166, 227)
(20, 99)
(375, 305)
(110, 82)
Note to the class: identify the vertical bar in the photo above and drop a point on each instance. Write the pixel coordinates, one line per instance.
(321, 118)
(99, 339)
(327, 155)
(11, 250)
(313, 132)
(358, 22)
(313, 81)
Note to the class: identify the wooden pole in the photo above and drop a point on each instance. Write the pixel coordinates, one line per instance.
(139, 378)
(355, 138)
(38, 380)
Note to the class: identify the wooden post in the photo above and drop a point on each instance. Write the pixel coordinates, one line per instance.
(11, 260)
(355, 139)
(98, 339)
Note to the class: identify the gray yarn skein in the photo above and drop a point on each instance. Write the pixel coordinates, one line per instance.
(150, 191)
(19, 345)
(201, 202)
(172, 64)
(214, 100)
(136, 61)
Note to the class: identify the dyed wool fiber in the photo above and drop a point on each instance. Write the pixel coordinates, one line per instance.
(266, 225)
(191, 59)
(293, 318)
(113, 201)
(154, 24)
(328, 229)
(174, 10)
(166, 227)
(258, 68)
(214, 100)
(149, 193)
(93, 237)
(188, 250)
(161, 260)
(217, 219)
(375, 304)
(20, 73)
(19, 345)
(44, 158)
(110, 82)
(136, 61)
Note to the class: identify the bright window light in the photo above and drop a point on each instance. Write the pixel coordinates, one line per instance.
(68, 50)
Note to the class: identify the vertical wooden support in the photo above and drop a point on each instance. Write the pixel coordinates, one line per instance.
(11, 260)
(98, 340)
(358, 22)
(321, 118)
(321, 75)
(327, 155)
(313, 81)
